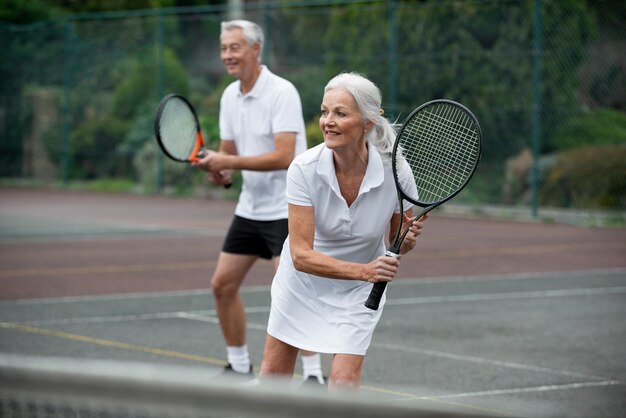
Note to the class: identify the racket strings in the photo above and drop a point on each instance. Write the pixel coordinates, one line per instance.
(441, 145)
(178, 128)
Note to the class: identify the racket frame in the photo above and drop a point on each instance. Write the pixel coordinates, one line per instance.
(198, 149)
(378, 289)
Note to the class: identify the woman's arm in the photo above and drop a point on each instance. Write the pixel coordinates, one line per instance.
(411, 237)
(307, 260)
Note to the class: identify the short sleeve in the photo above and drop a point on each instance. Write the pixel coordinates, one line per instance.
(287, 112)
(226, 131)
(298, 192)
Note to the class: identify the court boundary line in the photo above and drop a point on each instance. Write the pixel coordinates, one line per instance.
(264, 288)
(530, 389)
(470, 297)
(191, 357)
(210, 317)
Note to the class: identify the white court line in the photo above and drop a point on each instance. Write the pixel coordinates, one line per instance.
(203, 316)
(214, 320)
(485, 361)
(260, 289)
(513, 391)
(210, 317)
(512, 276)
(508, 295)
(391, 302)
(112, 318)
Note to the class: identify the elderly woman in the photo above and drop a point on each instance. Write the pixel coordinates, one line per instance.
(342, 200)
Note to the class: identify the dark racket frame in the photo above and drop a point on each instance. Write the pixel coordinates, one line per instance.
(441, 141)
(177, 130)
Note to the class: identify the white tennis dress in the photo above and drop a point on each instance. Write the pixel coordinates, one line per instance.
(328, 315)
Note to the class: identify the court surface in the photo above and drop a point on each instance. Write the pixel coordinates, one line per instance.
(504, 317)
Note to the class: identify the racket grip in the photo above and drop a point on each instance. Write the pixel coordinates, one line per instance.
(376, 294)
(227, 186)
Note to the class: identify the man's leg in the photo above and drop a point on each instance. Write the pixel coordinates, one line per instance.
(229, 273)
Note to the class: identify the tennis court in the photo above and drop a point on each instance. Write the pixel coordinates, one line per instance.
(486, 316)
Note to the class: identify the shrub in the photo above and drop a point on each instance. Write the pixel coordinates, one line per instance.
(589, 177)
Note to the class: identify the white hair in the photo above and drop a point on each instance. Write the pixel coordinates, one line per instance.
(251, 31)
(368, 98)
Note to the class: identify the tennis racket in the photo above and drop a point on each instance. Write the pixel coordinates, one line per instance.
(441, 143)
(177, 130)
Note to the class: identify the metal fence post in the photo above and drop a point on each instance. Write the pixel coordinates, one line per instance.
(159, 93)
(536, 108)
(65, 154)
(392, 59)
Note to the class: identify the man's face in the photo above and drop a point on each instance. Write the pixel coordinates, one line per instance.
(238, 57)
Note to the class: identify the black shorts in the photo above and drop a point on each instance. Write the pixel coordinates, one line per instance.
(262, 238)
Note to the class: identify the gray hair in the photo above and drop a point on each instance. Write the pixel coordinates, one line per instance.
(368, 98)
(251, 31)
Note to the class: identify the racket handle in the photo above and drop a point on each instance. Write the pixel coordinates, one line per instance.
(227, 186)
(376, 294)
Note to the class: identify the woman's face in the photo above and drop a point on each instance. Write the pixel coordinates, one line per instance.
(340, 120)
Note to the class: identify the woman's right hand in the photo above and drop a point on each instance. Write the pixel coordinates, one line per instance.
(382, 269)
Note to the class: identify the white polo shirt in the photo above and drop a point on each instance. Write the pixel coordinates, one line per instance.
(328, 315)
(252, 120)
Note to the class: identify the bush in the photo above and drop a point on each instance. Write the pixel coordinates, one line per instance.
(592, 178)
(599, 127)
(314, 134)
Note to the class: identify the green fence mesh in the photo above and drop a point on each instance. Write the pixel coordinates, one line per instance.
(546, 79)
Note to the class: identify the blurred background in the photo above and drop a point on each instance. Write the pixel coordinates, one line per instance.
(80, 82)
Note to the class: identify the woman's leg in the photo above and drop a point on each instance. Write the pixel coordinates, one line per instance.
(345, 371)
(279, 358)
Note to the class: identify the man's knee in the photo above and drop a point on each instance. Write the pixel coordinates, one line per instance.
(224, 288)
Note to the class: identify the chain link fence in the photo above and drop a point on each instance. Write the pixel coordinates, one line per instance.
(546, 79)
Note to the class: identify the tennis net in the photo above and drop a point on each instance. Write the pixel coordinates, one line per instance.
(42, 387)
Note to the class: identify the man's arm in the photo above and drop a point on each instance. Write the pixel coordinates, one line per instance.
(228, 158)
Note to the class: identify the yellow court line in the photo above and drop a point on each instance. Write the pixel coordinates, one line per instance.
(202, 359)
(435, 400)
(111, 343)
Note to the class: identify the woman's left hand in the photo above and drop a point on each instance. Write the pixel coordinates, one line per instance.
(411, 237)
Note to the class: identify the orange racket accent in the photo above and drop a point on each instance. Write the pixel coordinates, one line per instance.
(199, 143)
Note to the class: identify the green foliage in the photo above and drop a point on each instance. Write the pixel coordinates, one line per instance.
(93, 147)
(83, 6)
(310, 82)
(597, 127)
(356, 41)
(463, 51)
(20, 11)
(314, 135)
(130, 95)
(104, 68)
(593, 178)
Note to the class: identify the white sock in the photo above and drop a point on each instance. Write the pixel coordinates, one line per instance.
(239, 358)
(312, 366)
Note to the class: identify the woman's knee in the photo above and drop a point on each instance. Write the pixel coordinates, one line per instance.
(346, 371)
(279, 358)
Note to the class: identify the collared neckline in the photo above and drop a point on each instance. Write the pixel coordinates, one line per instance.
(258, 84)
(374, 173)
